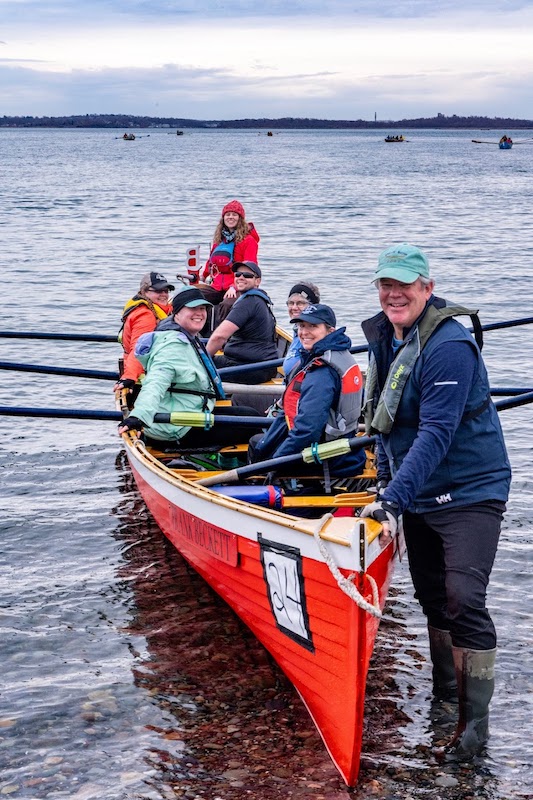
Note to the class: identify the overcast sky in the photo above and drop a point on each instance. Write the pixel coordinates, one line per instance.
(226, 59)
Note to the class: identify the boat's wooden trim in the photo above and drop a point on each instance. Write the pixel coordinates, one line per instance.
(334, 528)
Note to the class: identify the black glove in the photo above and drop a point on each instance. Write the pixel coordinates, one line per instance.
(132, 424)
(378, 488)
(382, 511)
(125, 383)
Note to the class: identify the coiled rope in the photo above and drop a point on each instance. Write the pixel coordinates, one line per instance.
(346, 584)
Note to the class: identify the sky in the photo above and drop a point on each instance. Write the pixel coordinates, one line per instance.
(233, 59)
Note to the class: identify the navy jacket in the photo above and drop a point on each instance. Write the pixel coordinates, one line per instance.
(319, 393)
(446, 446)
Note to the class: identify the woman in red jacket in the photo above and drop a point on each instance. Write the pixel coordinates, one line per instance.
(234, 240)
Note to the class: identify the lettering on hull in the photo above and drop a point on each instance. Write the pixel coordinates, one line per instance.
(282, 571)
(217, 542)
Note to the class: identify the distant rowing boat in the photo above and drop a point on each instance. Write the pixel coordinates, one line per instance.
(399, 138)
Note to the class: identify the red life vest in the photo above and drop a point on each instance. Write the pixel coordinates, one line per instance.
(344, 418)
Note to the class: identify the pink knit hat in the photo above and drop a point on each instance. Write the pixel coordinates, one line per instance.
(234, 205)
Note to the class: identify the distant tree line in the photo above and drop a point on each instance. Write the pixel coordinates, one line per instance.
(130, 121)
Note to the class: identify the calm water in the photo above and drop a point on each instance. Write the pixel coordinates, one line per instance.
(122, 675)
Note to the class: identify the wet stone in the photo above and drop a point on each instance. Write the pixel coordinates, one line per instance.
(446, 781)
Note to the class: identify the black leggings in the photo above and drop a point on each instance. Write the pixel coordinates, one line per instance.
(451, 553)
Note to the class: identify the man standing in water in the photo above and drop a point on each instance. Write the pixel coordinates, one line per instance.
(442, 463)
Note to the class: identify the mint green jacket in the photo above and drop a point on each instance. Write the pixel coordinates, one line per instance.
(169, 359)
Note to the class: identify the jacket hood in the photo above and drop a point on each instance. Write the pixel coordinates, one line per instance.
(336, 340)
(253, 232)
(149, 343)
(167, 324)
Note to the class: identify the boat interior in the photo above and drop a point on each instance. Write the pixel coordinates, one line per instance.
(307, 491)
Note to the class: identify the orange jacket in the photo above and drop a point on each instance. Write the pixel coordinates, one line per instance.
(140, 319)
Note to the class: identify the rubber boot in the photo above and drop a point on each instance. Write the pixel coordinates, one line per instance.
(475, 684)
(444, 680)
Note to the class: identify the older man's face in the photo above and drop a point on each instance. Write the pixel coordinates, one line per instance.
(403, 302)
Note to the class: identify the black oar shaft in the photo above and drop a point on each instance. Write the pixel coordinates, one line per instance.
(67, 337)
(519, 400)
(508, 391)
(277, 362)
(59, 413)
(71, 371)
(510, 323)
(83, 413)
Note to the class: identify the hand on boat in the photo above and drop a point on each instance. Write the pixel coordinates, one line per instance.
(131, 424)
(378, 488)
(385, 513)
(124, 383)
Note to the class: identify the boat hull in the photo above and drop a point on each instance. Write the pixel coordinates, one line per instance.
(268, 568)
(505, 145)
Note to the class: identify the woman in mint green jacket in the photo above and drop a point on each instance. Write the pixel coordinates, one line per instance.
(180, 376)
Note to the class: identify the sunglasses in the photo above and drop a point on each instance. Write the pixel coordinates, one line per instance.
(244, 275)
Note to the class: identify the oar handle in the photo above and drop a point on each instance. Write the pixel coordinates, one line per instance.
(200, 419)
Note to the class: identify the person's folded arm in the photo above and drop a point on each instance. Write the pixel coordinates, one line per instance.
(220, 336)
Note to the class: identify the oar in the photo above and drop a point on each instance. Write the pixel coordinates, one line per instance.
(362, 348)
(508, 391)
(230, 388)
(68, 337)
(186, 418)
(75, 373)
(510, 323)
(481, 141)
(519, 400)
(275, 362)
(339, 447)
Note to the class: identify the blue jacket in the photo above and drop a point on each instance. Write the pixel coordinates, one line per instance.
(320, 392)
(446, 446)
(294, 354)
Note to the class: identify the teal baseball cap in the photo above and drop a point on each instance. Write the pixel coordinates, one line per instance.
(402, 262)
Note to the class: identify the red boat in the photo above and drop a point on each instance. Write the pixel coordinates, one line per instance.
(311, 590)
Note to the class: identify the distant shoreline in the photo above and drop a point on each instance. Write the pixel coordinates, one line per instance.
(120, 121)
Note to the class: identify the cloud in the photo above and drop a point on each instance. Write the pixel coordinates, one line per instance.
(404, 58)
(220, 93)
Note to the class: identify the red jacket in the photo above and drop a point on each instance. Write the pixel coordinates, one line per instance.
(244, 251)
